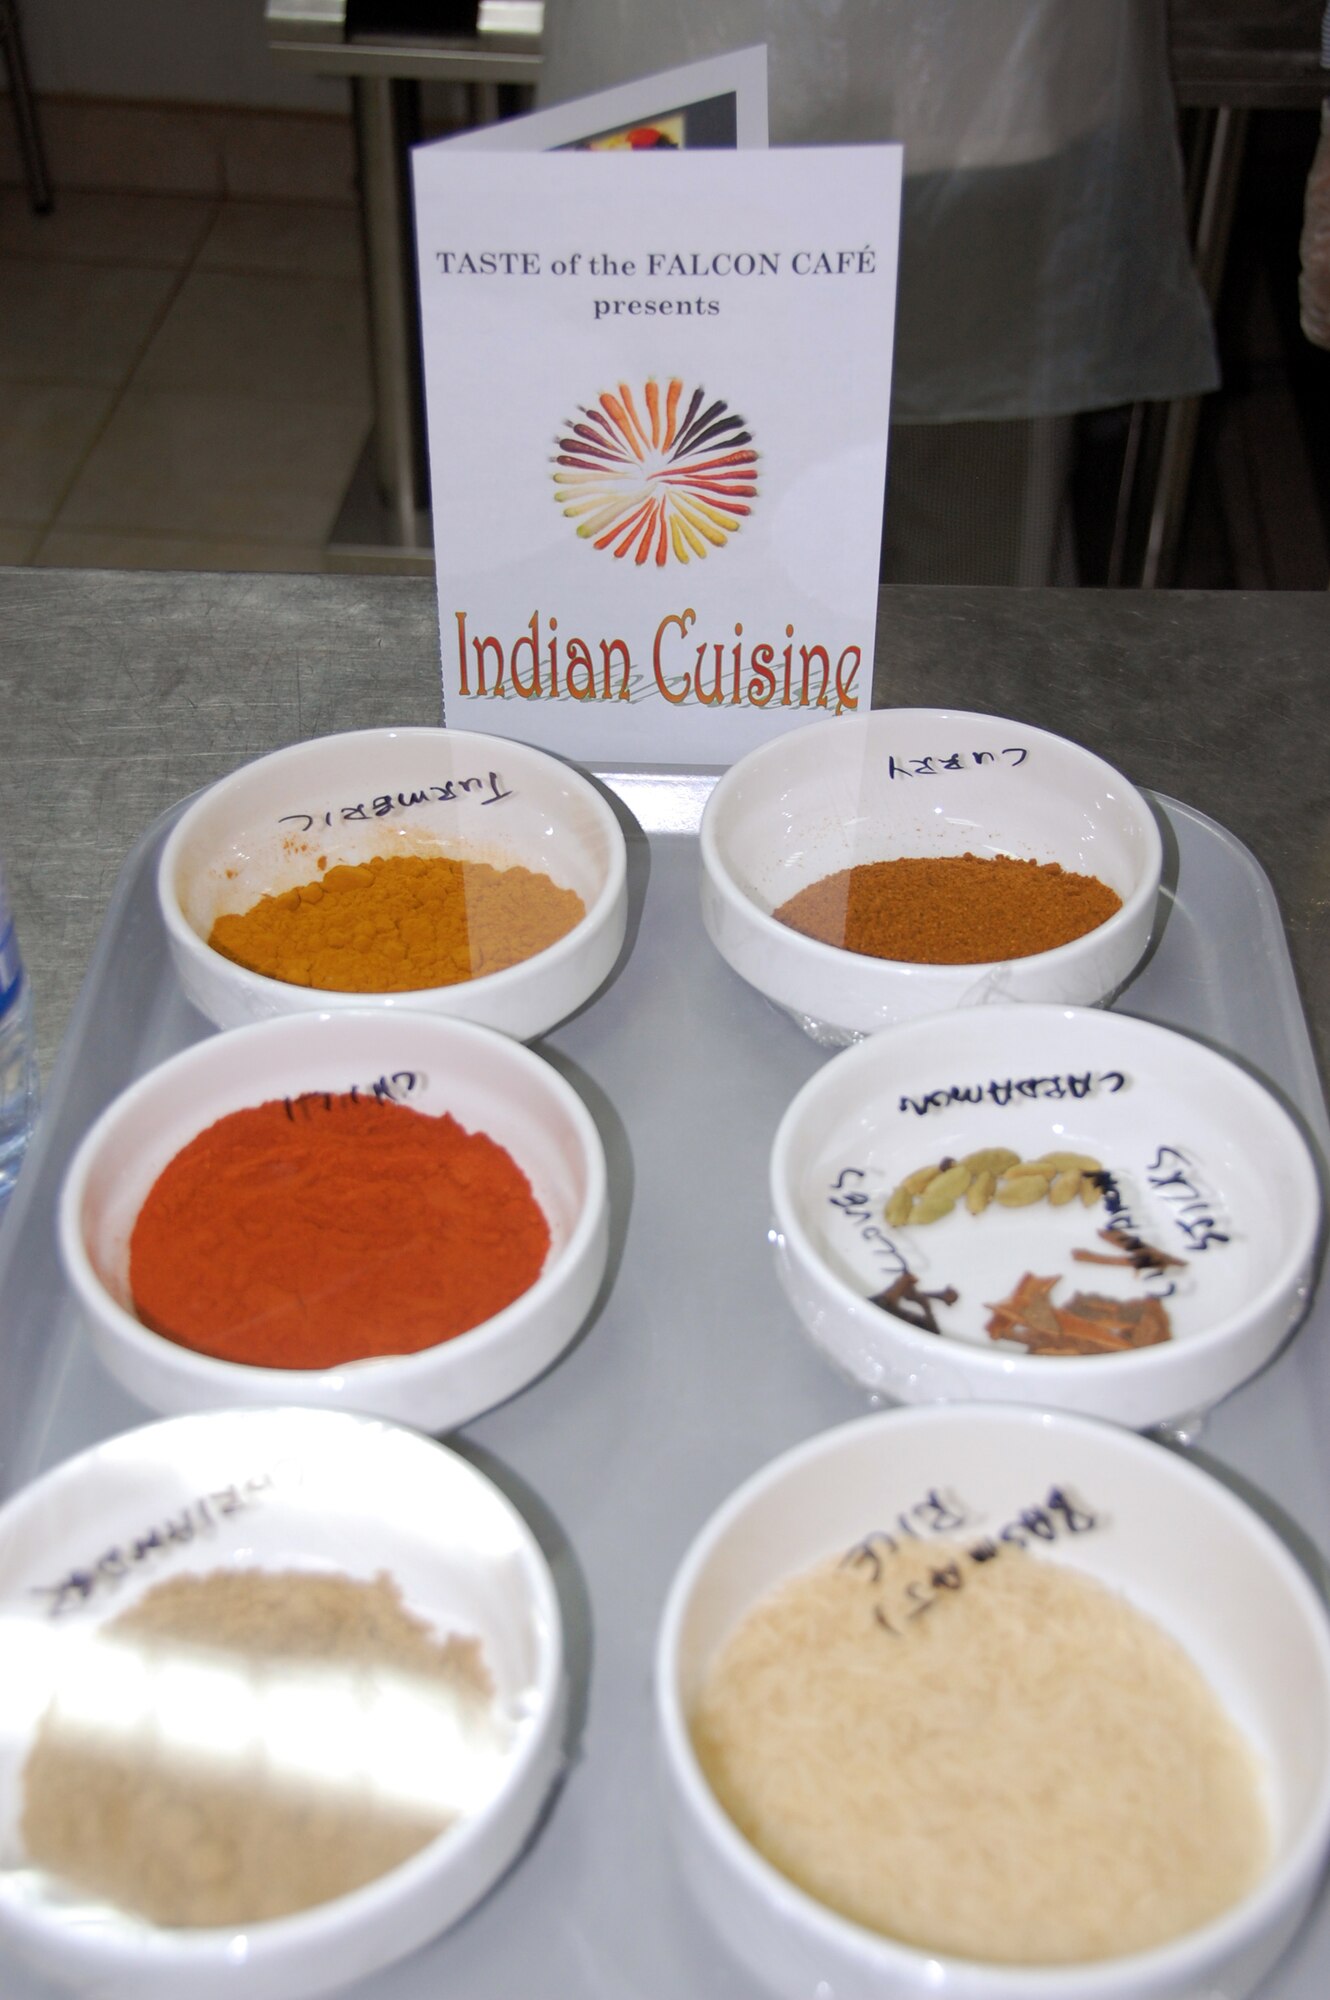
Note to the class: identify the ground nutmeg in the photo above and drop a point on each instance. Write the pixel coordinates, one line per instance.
(169, 1815)
(963, 909)
(316, 1230)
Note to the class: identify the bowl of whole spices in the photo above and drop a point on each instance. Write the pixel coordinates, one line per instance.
(870, 869)
(1054, 1205)
(397, 1213)
(424, 868)
(995, 1703)
(285, 1695)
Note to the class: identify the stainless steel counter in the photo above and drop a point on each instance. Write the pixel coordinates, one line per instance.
(120, 692)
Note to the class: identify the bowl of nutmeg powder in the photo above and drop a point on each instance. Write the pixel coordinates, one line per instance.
(285, 1697)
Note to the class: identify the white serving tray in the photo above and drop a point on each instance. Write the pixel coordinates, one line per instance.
(692, 1372)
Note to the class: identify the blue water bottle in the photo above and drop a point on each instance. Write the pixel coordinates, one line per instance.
(18, 1060)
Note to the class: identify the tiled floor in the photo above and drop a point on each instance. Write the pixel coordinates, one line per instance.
(183, 380)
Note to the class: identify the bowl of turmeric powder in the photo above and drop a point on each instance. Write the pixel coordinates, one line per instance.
(871, 869)
(393, 1213)
(1062, 1206)
(433, 869)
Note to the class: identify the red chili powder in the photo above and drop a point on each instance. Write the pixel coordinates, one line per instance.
(317, 1230)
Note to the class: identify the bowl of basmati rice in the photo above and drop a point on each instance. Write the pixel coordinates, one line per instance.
(995, 1702)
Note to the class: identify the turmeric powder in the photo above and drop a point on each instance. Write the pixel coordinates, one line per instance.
(399, 923)
(963, 909)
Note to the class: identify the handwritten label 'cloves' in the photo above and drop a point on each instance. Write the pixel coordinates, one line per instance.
(849, 1197)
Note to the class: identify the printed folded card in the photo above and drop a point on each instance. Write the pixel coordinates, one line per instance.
(720, 101)
(657, 387)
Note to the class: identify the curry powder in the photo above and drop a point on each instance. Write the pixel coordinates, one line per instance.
(961, 909)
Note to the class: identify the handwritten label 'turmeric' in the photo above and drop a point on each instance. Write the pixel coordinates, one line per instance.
(487, 791)
(1016, 1090)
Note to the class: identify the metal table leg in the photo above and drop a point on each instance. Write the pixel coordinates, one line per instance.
(385, 116)
(1214, 225)
(25, 110)
(1161, 439)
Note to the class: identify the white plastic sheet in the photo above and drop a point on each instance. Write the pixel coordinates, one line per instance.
(1314, 278)
(1044, 261)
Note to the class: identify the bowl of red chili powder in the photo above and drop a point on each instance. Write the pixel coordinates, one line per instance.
(394, 1213)
(867, 870)
(435, 869)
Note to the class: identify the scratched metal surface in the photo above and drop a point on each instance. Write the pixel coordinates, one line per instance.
(691, 1374)
(121, 691)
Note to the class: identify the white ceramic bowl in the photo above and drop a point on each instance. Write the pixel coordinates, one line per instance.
(396, 791)
(488, 1082)
(1170, 1538)
(918, 782)
(276, 1490)
(1210, 1167)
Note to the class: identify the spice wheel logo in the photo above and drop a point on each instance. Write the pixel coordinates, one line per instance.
(656, 478)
